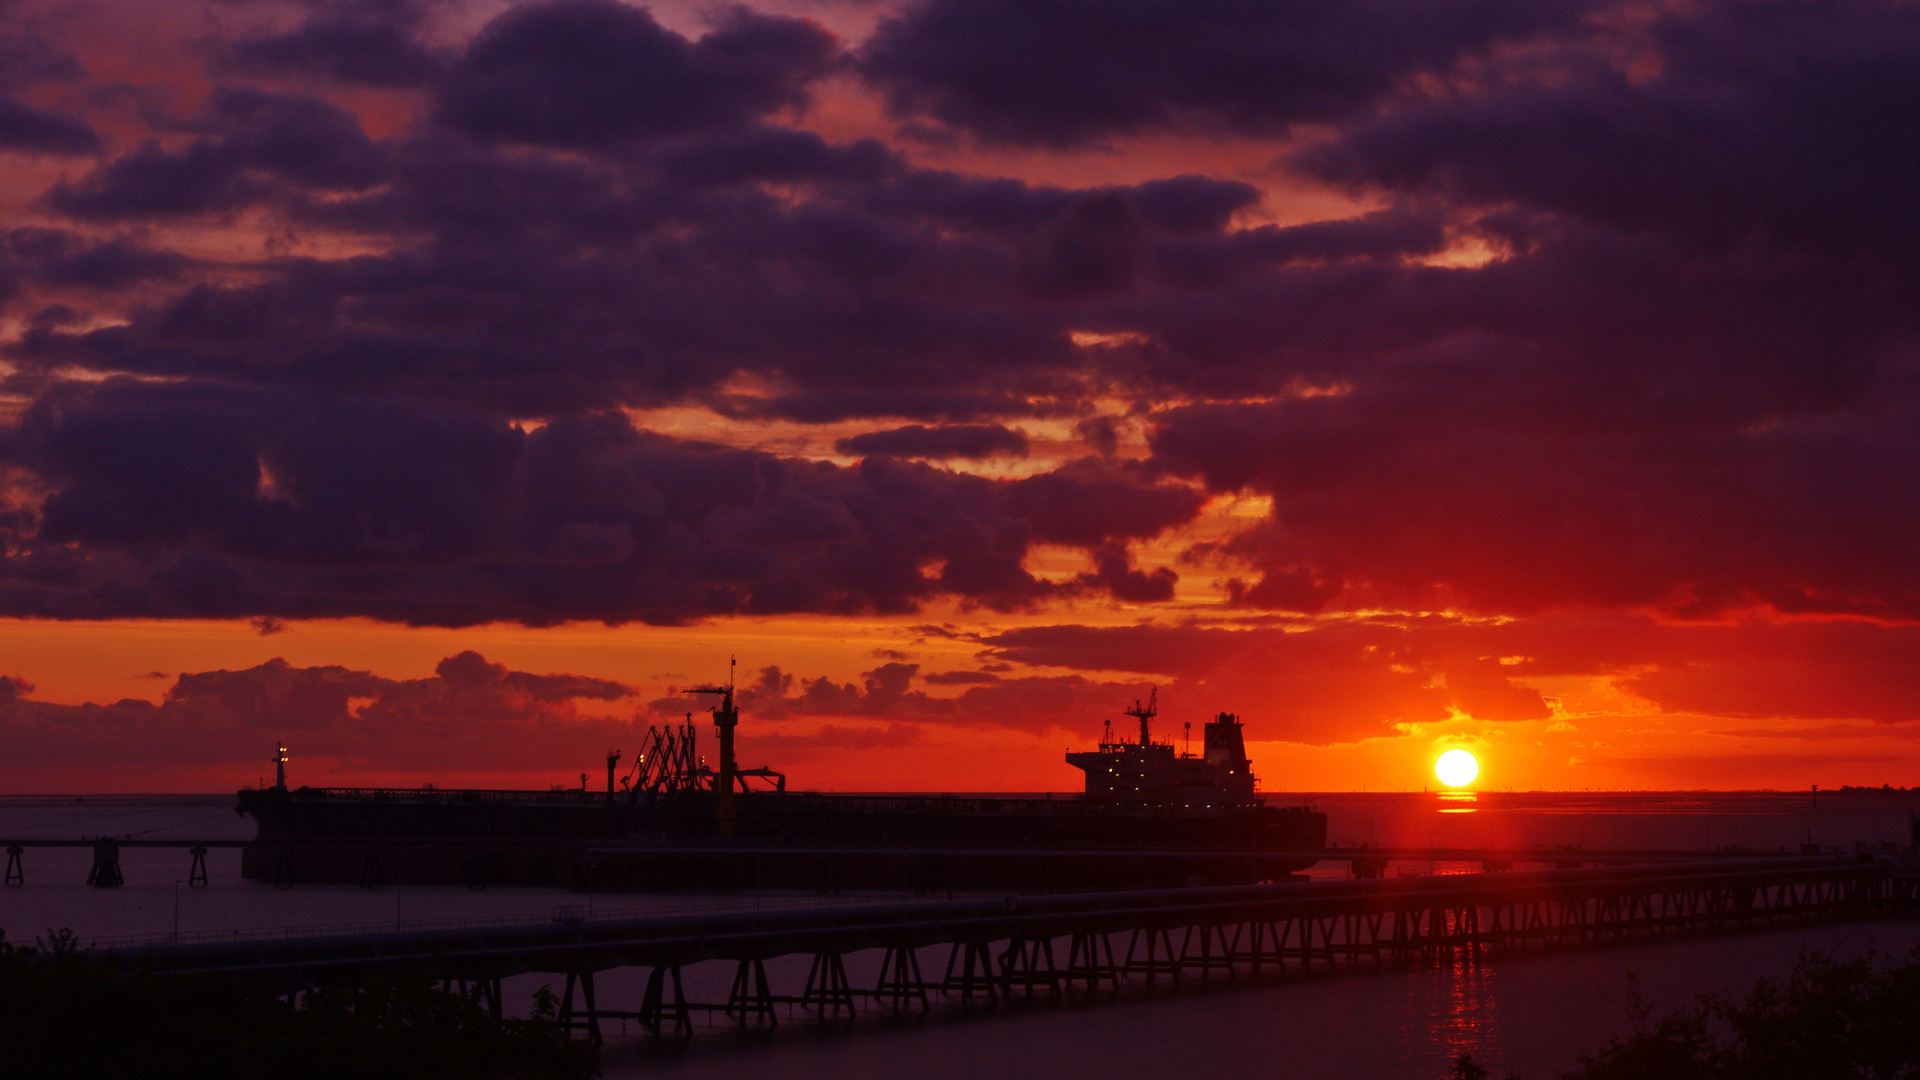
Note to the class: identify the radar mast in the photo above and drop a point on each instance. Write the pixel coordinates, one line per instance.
(725, 719)
(1145, 714)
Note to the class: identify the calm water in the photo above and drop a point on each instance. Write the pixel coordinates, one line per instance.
(1532, 1014)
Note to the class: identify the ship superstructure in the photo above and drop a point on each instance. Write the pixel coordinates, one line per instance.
(1150, 774)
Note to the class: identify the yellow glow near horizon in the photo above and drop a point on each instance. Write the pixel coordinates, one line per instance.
(1456, 768)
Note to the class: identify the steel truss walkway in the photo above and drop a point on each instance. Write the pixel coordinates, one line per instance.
(1056, 944)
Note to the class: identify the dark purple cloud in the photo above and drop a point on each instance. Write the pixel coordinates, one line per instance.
(592, 73)
(944, 441)
(27, 58)
(1036, 703)
(875, 290)
(1091, 503)
(778, 155)
(265, 143)
(1370, 510)
(1114, 574)
(362, 42)
(65, 259)
(1764, 123)
(177, 499)
(1627, 320)
(1064, 71)
(1191, 203)
(47, 271)
(34, 131)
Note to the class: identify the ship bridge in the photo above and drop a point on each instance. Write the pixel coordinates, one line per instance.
(1151, 774)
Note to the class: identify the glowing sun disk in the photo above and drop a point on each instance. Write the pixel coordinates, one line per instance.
(1456, 768)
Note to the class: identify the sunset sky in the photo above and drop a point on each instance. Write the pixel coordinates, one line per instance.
(439, 386)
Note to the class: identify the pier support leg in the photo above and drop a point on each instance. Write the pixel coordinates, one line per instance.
(1090, 959)
(900, 979)
(827, 987)
(593, 1011)
(1259, 935)
(975, 960)
(16, 874)
(654, 1008)
(1204, 934)
(373, 874)
(1159, 941)
(197, 870)
(1022, 962)
(566, 1005)
(106, 866)
(750, 995)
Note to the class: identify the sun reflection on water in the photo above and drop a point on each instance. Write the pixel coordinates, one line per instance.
(1459, 1003)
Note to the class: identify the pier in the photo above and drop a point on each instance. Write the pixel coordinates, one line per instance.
(984, 950)
(600, 865)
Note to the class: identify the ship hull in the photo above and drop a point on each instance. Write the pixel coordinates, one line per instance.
(920, 844)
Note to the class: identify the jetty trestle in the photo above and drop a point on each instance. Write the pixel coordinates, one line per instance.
(1004, 948)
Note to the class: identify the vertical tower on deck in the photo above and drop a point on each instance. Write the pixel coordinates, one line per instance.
(1145, 714)
(725, 719)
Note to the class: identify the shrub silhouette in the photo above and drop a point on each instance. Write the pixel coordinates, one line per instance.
(64, 1015)
(1828, 1020)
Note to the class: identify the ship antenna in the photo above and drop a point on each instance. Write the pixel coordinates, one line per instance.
(1145, 713)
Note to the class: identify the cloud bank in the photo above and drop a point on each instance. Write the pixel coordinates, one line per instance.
(375, 310)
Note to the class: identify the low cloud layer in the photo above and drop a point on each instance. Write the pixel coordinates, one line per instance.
(458, 718)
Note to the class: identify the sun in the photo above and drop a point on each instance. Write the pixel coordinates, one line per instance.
(1456, 768)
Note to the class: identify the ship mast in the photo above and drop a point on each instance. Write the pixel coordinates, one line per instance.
(1145, 713)
(725, 719)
